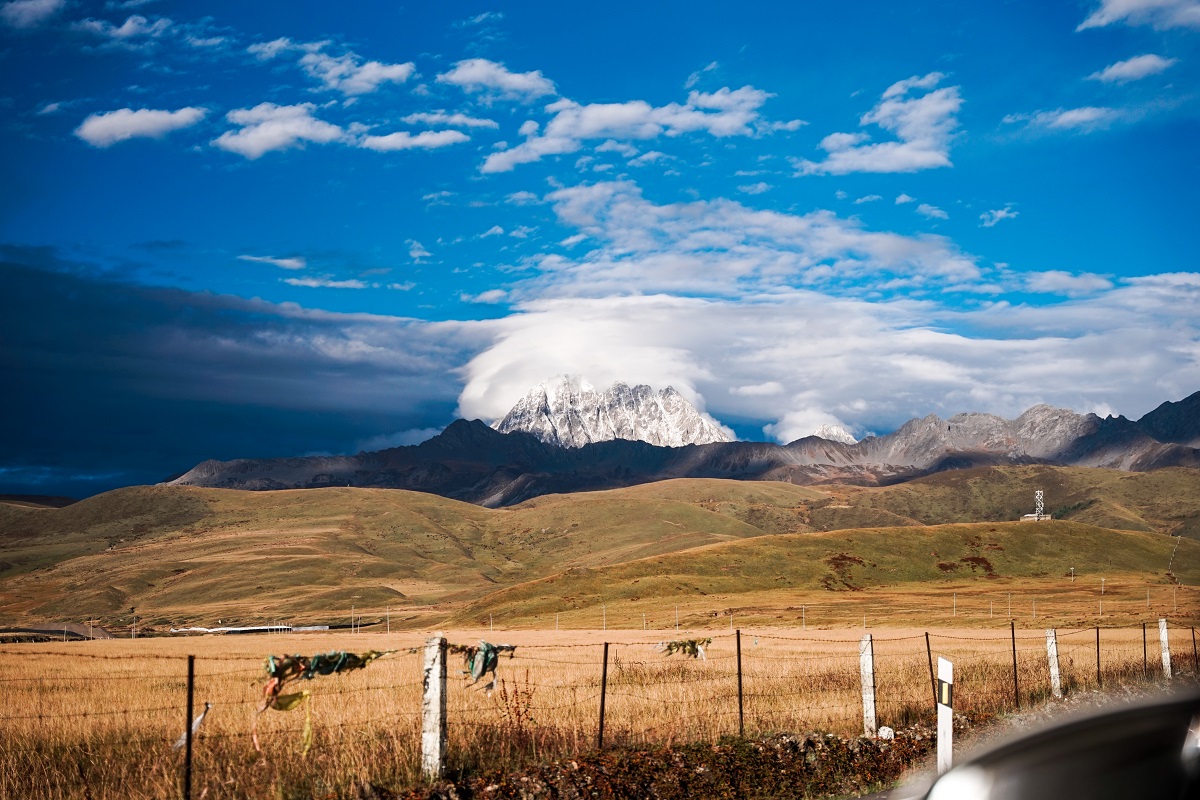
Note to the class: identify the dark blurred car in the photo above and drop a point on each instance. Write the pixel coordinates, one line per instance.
(1149, 750)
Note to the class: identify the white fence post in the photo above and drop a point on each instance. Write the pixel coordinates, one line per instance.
(866, 670)
(945, 709)
(1052, 657)
(1166, 648)
(433, 709)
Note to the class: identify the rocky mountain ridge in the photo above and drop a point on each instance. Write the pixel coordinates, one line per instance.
(569, 412)
(472, 462)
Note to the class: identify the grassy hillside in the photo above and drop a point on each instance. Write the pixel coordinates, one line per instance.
(192, 555)
(1166, 500)
(864, 565)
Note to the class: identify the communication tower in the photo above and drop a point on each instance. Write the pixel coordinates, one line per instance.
(1039, 508)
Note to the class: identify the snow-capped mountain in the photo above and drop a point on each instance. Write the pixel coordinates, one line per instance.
(570, 412)
(470, 461)
(835, 433)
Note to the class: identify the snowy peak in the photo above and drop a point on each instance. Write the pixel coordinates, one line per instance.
(569, 412)
(835, 433)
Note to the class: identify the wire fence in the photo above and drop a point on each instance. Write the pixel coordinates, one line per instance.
(105, 723)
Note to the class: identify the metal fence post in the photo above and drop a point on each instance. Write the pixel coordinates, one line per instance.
(741, 705)
(433, 709)
(603, 692)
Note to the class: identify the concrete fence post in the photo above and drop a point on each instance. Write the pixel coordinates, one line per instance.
(945, 715)
(866, 670)
(1052, 658)
(1166, 648)
(433, 709)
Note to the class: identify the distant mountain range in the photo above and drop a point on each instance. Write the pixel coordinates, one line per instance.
(472, 462)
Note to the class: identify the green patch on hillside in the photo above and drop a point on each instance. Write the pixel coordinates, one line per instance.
(852, 560)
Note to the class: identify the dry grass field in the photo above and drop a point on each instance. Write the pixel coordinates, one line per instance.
(97, 719)
(803, 573)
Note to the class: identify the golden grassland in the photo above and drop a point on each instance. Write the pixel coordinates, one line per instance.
(189, 555)
(97, 719)
(558, 577)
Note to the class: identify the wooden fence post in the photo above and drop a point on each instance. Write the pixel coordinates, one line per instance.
(603, 692)
(433, 709)
(945, 736)
(187, 729)
(866, 671)
(1145, 656)
(1166, 648)
(932, 679)
(1012, 628)
(1099, 684)
(1052, 658)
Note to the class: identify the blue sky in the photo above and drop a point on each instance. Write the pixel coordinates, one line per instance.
(267, 229)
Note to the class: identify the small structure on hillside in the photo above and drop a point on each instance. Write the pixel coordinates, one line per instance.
(1039, 508)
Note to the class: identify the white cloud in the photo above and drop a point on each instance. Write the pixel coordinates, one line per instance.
(1161, 14)
(417, 251)
(988, 219)
(758, 390)
(265, 51)
(403, 140)
(349, 75)
(722, 113)
(648, 157)
(135, 27)
(722, 248)
(1065, 283)
(523, 198)
(407, 286)
(30, 13)
(268, 127)
(325, 283)
(901, 199)
(453, 120)
(609, 146)
(932, 212)
(923, 124)
(694, 78)
(495, 230)
(755, 188)
(1085, 119)
(489, 297)
(1133, 69)
(775, 127)
(108, 128)
(521, 232)
(480, 19)
(291, 262)
(481, 75)
(870, 198)
(799, 359)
